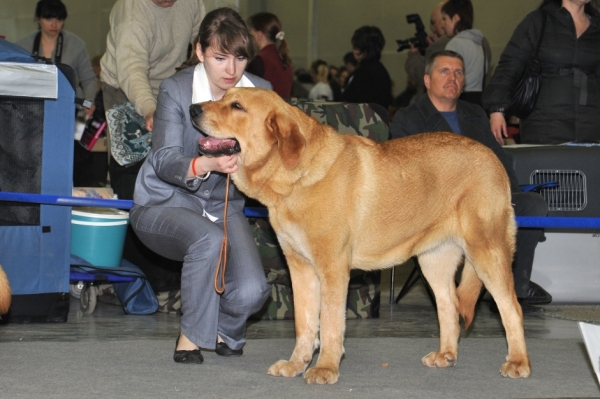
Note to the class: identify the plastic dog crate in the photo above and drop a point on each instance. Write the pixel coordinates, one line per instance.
(37, 116)
(567, 264)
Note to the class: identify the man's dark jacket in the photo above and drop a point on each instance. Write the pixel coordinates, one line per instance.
(422, 117)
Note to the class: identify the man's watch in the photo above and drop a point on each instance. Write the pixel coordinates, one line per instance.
(501, 110)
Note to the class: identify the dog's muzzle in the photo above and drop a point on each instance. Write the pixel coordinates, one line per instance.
(211, 146)
(217, 147)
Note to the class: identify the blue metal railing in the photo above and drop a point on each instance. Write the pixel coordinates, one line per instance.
(553, 222)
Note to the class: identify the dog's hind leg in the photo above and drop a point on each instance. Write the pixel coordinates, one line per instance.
(306, 317)
(468, 292)
(439, 267)
(493, 266)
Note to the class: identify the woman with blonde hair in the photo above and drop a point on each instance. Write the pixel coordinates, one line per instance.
(273, 62)
(319, 71)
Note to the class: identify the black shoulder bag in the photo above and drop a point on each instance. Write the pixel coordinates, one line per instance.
(525, 94)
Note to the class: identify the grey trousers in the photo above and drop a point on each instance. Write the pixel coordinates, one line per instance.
(184, 235)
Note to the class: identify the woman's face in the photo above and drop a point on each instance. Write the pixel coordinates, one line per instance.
(224, 71)
(578, 3)
(51, 26)
(358, 55)
(342, 76)
(450, 24)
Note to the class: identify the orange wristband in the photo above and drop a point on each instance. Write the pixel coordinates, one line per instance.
(193, 166)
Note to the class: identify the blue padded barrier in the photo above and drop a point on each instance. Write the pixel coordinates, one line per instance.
(553, 222)
(557, 222)
(522, 221)
(66, 200)
(256, 212)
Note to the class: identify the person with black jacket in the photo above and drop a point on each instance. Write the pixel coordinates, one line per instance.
(568, 105)
(370, 82)
(441, 111)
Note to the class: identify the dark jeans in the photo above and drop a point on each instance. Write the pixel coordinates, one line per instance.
(526, 204)
(122, 178)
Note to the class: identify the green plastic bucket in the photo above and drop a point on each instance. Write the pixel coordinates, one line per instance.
(98, 235)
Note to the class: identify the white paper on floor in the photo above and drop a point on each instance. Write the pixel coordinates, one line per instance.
(591, 337)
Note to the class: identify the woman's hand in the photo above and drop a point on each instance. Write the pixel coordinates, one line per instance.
(203, 164)
(498, 126)
(225, 163)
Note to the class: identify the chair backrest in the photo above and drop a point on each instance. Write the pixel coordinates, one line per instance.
(368, 120)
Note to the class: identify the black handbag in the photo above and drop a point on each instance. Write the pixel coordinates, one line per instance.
(525, 94)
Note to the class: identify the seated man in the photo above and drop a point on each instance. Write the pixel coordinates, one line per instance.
(441, 110)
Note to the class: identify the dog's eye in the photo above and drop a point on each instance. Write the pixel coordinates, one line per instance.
(237, 105)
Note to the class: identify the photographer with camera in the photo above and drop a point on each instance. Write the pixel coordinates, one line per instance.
(421, 50)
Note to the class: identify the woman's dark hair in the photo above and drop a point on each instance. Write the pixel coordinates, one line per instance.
(369, 41)
(224, 30)
(48, 9)
(269, 24)
(591, 8)
(349, 58)
(464, 9)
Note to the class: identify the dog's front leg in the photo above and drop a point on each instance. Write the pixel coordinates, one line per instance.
(334, 292)
(307, 290)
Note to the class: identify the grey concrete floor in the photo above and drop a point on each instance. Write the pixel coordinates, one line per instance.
(413, 316)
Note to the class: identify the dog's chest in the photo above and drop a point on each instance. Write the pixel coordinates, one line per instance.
(293, 236)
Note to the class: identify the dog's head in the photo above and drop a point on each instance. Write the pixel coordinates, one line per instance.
(257, 123)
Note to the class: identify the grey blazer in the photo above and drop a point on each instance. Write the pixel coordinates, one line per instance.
(162, 180)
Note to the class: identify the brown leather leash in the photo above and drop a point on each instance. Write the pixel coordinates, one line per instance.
(222, 264)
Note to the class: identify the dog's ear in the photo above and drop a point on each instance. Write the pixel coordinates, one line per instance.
(290, 141)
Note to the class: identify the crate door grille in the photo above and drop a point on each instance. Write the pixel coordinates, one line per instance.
(571, 193)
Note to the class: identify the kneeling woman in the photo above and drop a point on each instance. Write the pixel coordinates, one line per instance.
(179, 196)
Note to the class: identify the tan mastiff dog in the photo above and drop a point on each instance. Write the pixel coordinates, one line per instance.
(339, 202)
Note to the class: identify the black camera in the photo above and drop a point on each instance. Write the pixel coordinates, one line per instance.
(420, 38)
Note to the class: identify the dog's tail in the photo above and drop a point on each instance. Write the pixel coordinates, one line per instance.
(468, 293)
(4, 292)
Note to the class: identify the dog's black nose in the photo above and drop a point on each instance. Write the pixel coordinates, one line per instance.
(195, 110)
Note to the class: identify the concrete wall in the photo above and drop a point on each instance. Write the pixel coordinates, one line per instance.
(314, 28)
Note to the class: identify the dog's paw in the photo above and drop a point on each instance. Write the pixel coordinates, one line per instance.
(516, 369)
(321, 375)
(436, 359)
(283, 368)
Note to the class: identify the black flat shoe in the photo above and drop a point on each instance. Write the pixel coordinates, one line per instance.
(536, 295)
(189, 357)
(224, 350)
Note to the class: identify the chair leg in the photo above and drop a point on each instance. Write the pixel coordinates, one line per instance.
(410, 282)
(392, 280)
(414, 276)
